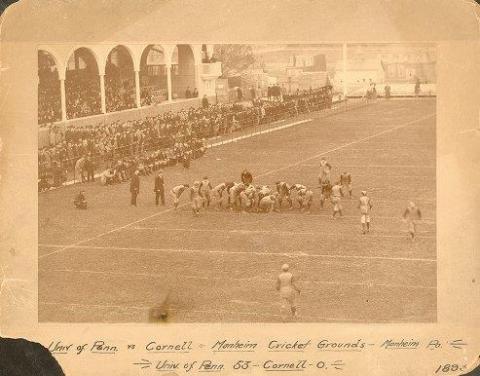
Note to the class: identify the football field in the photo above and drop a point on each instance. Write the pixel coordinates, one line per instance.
(114, 262)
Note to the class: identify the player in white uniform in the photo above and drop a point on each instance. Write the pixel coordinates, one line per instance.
(297, 187)
(256, 199)
(235, 195)
(305, 199)
(206, 190)
(264, 191)
(294, 193)
(365, 206)
(325, 169)
(412, 215)
(176, 192)
(267, 203)
(288, 289)
(196, 198)
(247, 197)
(336, 198)
(217, 193)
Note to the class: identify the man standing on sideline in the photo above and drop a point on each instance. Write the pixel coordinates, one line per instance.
(90, 167)
(134, 188)
(288, 289)
(417, 87)
(159, 189)
(79, 169)
(365, 206)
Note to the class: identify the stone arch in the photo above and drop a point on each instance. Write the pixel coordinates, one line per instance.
(183, 71)
(49, 95)
(119, 79)
(82, 84)
(154, 63)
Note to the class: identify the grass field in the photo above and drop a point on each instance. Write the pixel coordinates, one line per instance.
(114, 262)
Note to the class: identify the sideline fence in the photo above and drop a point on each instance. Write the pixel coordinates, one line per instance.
(247, 124)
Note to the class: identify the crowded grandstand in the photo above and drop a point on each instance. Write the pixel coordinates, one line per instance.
(168, 138)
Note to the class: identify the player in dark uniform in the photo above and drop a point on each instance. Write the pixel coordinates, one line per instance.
(246, 177)
(283, 190)
(346, 183)
(326, 192)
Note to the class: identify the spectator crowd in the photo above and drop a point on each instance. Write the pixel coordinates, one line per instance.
(82, 93)
(49, 106)
(121, 147)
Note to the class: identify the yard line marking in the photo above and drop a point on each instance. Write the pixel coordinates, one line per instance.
(148, 307)
(268, 130)
(200, 312)
(378, 166)
(351, 143)
(283, 254)
(290, 233)
(392, 149)
(228, 278)
(261, 175)
(298, 217)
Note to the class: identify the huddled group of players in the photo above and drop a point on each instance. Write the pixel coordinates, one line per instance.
(240, 196)
(244, 196)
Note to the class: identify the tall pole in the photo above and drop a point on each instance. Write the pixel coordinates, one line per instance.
(344, 70)
(63, 100)
(137, 89)
(102, 93)
(198, 79)
(169, 82)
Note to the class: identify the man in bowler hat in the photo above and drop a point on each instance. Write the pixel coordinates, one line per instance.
(159, 189)
(134, 188)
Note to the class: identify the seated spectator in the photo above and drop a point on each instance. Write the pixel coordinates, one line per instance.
(80, 202)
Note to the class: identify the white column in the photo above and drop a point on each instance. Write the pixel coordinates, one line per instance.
(102, 93)
(169, 82)
(344, 70)
(137, 89)
(63, 100)
(198, 79)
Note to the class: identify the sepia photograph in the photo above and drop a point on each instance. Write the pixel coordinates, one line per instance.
(229, 183)
(239, 187)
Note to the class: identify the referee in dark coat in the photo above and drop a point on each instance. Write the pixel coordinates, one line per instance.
(159, 189)
(134, 188)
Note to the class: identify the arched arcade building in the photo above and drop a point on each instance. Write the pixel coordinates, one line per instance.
(88, 80)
